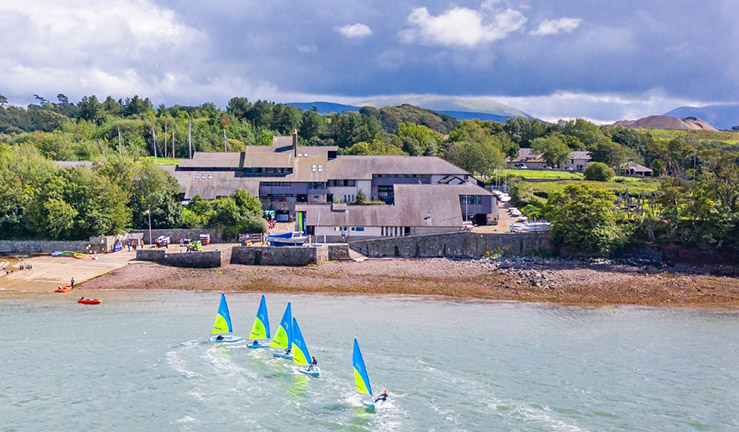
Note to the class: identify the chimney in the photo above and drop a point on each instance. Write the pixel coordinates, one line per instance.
(295, 142)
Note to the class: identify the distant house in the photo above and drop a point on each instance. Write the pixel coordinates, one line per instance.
(635, 169)
(417, 209)
(577, 160)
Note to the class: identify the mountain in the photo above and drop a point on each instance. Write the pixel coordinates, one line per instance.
(324, 107)
(721, 116)
(666, 122)
(501, 113)
(468, 115)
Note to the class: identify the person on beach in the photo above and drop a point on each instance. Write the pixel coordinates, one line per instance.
(382, 397)
(72, 283)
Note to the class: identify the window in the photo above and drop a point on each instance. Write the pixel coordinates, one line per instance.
(360, 229)
(470, 199)
(320, 168)
(313, 168)
(210, 176)
(197, 176)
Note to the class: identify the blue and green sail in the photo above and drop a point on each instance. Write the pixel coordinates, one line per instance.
(361, 379)
(284, 334)
(301, 356)
(260, 330)
(223, 318)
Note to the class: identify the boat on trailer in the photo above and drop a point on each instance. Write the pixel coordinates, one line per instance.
(291, 238)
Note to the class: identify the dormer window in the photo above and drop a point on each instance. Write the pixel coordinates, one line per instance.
(320, 168)
(313, 168)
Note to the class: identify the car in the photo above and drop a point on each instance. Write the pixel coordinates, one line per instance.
(467, 225)
(522, 166)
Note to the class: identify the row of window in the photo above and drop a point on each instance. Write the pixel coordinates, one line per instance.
(401, 176)
(261, 170)
(353, 229)
(315, 168)
(203, 176)
(390, 231)
(348, 198)
(276, 184)
(342, 182)
(470, 199)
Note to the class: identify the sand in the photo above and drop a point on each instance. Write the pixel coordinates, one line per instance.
(559, 282)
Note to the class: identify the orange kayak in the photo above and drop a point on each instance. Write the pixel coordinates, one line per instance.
(89, 301)
(63, 289)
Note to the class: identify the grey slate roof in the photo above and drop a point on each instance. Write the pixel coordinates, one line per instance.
(412, 204)
(212, 160)
(212, 184)
(362, 167)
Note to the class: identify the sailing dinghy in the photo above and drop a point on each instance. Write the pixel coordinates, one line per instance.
(301, 356)
(222, 327)
(361, 379)
(260, 330)
(283, 339)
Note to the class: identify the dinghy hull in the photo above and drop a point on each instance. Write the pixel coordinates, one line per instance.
(227, 339)
(314, 372)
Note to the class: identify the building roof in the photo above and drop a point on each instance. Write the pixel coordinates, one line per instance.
(212, 184)
(529, 155)
(637, 168)
(362, 167)
(73, 164)
(415, 205)
(207, 160)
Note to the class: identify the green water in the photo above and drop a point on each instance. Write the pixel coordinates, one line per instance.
(139, 362)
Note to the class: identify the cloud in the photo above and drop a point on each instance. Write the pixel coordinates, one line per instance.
(462, 27)
(552, 27)
(355, 31)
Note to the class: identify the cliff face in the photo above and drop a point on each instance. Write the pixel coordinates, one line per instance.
(666, 122)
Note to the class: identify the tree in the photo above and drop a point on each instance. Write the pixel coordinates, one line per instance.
(376, 147)
(155, 190)
(610, 153)
(3, 101)
(584, 219)
(313, 125)
(598, 171)
(419, 140)
(552, 149)
(361, 198)
(476, 157)
(239, 107)
(62, 98)
(91, 109)
(524, 130)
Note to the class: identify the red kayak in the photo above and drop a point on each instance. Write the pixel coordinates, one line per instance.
(89, 301)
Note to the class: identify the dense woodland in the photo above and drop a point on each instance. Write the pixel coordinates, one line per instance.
(698, 205)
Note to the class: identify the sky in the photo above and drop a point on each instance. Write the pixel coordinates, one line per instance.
(600, 60)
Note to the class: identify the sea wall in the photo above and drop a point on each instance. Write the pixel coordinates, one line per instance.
(176, 235)
(454, 245)
(94, 245)
(280, 256)
(203, 259)
(338, 252)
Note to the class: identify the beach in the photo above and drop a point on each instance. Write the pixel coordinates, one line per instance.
(513, 279)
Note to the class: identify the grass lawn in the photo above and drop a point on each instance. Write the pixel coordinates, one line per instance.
(634, 185)
(163, 161)
(728, 137)
(541, 174)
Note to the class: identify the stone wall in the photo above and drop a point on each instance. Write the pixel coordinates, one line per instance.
(204, 259)
(454, 245)
(34, 246)
(175, 235)
(338, 252)
(280, 256)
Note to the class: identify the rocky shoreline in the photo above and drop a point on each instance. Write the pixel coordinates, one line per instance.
(595, 283)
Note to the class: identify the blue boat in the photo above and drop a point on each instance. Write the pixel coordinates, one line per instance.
(283, 339)
(260, 330)
(291, 238)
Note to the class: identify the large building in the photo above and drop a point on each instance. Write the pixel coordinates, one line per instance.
(577, 160)
(286, 175)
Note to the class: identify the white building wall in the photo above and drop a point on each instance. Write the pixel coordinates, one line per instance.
(343, 193)
(366, 187)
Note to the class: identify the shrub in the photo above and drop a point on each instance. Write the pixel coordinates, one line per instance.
(598, 171)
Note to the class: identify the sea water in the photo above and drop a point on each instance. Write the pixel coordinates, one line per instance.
(140, 362)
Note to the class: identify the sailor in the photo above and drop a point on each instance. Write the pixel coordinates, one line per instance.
(288, 351)
(382, 397)
(219, 337)
(313, 363)
(255, 343)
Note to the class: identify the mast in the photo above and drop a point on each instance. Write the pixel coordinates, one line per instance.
(154, 134)
(119, 141)
(189, 136)
(165, 138)
(173, 155)
(225, 149)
